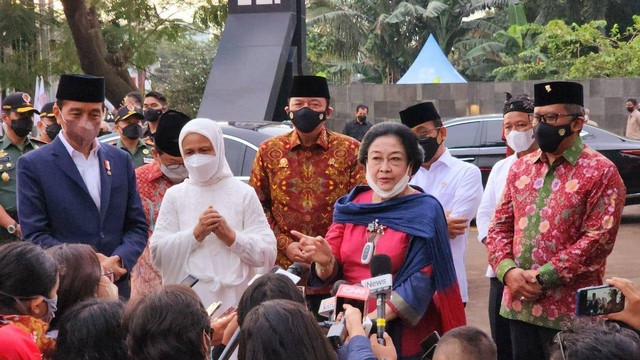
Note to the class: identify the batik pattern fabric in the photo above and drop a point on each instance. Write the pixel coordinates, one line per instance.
(36, 328)
(560, 219)
(152, 185)
(298, 185)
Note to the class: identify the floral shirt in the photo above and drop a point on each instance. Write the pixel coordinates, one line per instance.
(36, 328)
(560, 219)
(152, 185)
(298, 185)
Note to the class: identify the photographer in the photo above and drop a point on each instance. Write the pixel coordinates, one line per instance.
(631, 313)
(357, 346)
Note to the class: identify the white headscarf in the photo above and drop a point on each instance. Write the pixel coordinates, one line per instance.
(211, 130)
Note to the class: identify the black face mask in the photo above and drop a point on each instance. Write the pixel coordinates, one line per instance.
(306, 120)
(23, 126)
(132, 131)
(430, 146)
(152, 115)
(549, 137)
(362, 118)
(630, 109)
(52, 130)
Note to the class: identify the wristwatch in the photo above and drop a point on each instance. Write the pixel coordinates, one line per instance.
(11, 229)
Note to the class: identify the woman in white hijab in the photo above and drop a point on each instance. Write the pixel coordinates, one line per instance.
(212, 225)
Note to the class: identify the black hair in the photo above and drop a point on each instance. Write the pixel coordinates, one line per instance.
(467, 341)
(80, 273)
(167, 325)
(136, 96)
(362, 106)
(157, 95)
(595, 339)
(267, 287)
(634, 101)
(282, 329)
(26, 271)
(92, 330)
(409, 141)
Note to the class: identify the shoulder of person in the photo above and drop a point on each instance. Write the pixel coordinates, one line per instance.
(341, 138)
(35, 142)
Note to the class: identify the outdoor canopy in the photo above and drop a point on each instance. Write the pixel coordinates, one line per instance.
(431, 67)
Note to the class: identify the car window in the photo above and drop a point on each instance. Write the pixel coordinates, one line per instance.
(494, 134)
(234, 152)
(249, 157)
(463, 135)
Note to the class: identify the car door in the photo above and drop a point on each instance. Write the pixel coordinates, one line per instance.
(463, 140)
(240, 155)
(493, 148)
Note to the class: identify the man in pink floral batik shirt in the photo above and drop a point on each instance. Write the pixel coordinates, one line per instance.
(556, 223)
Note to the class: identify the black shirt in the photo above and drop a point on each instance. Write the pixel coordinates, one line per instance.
(356, 130)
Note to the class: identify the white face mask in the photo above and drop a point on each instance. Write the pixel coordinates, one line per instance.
(385, 195)
(175, 175)
(520, 141)
(201, 167)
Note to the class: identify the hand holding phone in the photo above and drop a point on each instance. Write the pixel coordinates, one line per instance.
(599, 300)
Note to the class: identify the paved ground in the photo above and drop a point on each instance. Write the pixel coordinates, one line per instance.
(624, 261)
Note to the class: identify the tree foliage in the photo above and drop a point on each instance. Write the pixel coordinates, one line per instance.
(576, 52)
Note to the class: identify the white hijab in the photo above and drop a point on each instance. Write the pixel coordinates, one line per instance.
(211, 130)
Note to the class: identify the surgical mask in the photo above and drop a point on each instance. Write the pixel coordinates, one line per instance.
(132, 131)
(549, 137)
(176, 175)
(52, 130)
(201, 167)
(152, 115)
(23, 126)
(385, 195)
(520, 141)
(362, 118)
(430, 146)
(307, 120)
(52, 306)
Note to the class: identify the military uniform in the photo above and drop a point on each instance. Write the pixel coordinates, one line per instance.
(9, 154)
(142, 154)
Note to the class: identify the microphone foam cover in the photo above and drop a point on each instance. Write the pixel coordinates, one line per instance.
(380, 265)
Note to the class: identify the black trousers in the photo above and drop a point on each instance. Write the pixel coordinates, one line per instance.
(531, 342)
(500, 331)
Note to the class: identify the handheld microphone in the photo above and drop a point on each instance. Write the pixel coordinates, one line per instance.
(380, 285)
(355, 296)
(327, 306)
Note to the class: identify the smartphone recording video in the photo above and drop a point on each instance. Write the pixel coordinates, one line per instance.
(599, 300)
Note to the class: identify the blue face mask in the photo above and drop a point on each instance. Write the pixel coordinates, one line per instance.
(52, 306)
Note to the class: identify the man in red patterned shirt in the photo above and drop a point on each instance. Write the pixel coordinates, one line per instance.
(153, 180)
(556, 223)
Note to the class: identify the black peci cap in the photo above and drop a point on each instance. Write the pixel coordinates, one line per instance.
(168, 131)
(558, 92)
(418, 114)
(81, 88)
(309, 86)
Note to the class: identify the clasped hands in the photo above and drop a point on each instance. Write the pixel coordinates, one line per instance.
(309, 249)
(211, 221)
(523, 284)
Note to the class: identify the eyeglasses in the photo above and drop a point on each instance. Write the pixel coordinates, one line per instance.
(558, 339)
(550, 118)
(109, 275)
(432, 133)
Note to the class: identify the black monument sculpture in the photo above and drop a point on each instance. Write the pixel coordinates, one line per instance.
(261, 48)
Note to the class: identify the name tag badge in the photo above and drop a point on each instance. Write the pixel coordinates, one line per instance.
(147, 160)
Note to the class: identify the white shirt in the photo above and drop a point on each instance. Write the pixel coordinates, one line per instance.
(89, 167)
(223, 271)
(458, 187)
(492, 194)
